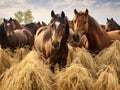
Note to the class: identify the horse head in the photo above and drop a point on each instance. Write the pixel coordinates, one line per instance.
(58, 28)
(80, 22)
(8, 27)
(111, 24)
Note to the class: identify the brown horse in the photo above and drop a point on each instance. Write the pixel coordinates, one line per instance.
(17, 37)
(33, 27)
(51, 40)
(14, 24)
(103, 27)
(112, 25)
(82, 43)
(98, 39)
(4, 42)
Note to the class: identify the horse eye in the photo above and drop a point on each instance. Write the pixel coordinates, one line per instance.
(84, 22)
(63, 26)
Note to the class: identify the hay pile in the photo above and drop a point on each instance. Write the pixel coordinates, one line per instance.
(20, 53)
(29, 74)
(110, 56)
(5, 60)
(108, 79)
(82, 56)
(75, 77)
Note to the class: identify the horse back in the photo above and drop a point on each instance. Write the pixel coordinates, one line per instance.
(114, 35)
(24, 36)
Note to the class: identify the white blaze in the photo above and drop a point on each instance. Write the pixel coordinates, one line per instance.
(57, 24)
(8, 24)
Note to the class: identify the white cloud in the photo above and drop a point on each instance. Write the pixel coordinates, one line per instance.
(42, 13)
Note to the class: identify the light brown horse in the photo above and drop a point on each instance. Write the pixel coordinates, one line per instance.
(51, 40)
(112, 25)
(98, 39)
(17, 37)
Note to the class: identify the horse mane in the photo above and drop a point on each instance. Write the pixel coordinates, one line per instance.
(2, 32)
(118, 26)
(97, 27)
(18, 24)
(3, 37)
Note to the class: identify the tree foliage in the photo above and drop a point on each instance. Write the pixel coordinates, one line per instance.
(28, 18)
(24, 17)
(19, 16)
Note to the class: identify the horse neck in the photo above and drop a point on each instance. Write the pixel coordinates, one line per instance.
(96, 35)
(66, 35)
(18, 25)
(117, 26)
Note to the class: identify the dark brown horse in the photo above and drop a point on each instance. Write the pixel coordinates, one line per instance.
(17, 37)
(14, 24)
(4, 42)
(98, 39)
(112, 25)
(51, 40)
(33, 27)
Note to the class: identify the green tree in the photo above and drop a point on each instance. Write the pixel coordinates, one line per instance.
(19, 16)
(28, 18)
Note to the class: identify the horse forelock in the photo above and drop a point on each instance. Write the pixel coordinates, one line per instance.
(59, 19)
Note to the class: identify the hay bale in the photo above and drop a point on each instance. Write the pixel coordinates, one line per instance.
(29, 74)
(82, 56)
(107, 80)
(110, 56)
(75, 77)
(20, 53)
(5, 60)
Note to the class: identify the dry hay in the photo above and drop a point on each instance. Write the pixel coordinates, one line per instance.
(75, 77)
(82, 56)
(29, 74)
(5, 60)
(108, 79)
(110, 56)
(20, 53)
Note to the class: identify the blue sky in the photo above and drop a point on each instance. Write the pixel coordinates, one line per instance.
(41, 9)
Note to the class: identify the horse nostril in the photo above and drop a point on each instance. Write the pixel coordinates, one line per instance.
(76, 37)
(55, 44)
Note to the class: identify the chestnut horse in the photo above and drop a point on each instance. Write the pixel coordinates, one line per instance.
(98, 39)
(112, 25)
(17, 37)
(51, 40)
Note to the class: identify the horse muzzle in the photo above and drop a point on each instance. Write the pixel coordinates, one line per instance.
(76, 37)
(55, 44)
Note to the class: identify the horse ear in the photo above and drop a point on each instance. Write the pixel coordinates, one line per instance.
(10, 19)
(4, 20)
(86, 12)
(112, 19)
(75, 11)
(63, 14)
(52, 14)
(107, 19)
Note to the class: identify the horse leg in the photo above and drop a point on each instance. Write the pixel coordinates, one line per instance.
(52, 67)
